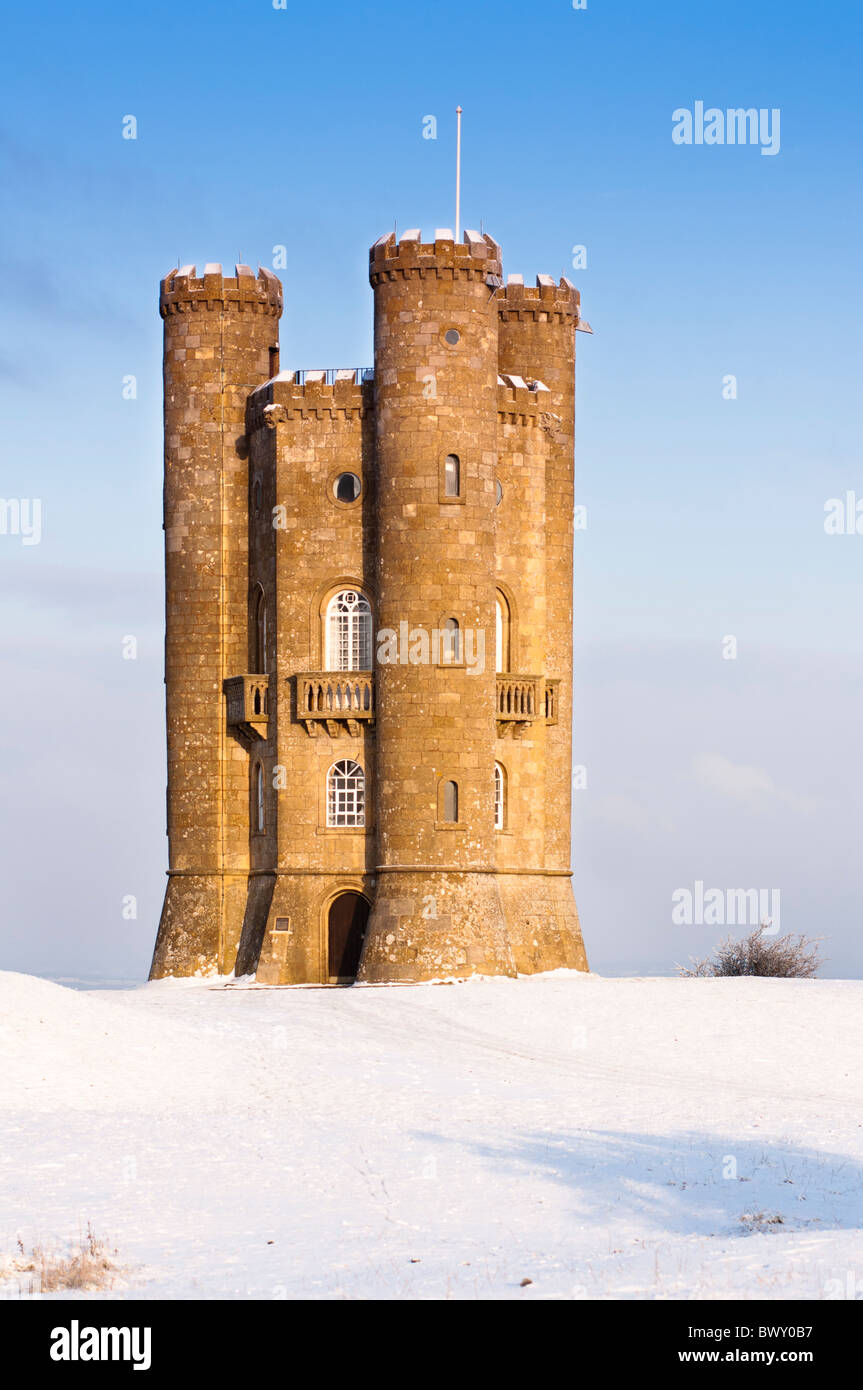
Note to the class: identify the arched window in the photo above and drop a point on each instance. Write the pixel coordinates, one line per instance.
(259, 819)
(450, 801)
(260, 617)
(452, 476)
(346, 794)
(499, 797)
(349, 632)
(502, 633)
(450, 650)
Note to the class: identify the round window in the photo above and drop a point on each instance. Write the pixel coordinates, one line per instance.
(498, 492)
(452, 336)
(346, 488)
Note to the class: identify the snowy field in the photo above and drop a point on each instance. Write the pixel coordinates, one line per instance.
(638, 1138)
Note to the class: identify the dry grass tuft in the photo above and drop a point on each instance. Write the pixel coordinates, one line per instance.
(86, 1263)
(761, 1220)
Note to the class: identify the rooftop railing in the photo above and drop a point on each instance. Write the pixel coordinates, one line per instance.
(328, 376)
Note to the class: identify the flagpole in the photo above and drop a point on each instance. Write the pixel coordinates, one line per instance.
(458, 174)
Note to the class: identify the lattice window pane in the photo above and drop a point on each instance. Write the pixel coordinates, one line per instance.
(349, 632)
(346, 794)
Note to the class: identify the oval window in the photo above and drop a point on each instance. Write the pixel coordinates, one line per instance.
(452, 336)
(347, 487)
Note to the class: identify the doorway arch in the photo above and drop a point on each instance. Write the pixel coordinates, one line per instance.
(347, 919)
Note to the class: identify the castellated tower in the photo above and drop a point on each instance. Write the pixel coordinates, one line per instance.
(221, 341)
(369, 629)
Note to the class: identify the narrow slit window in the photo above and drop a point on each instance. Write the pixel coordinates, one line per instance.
(450, 802)
(502, 634)
(451, 643)
(452, 476)
(260, 634)
(260, 814)
(499, 806)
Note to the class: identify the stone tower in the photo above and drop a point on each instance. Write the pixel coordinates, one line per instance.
(221, 341)
(369, 629)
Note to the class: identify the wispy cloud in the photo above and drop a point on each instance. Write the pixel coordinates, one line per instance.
(748, 785)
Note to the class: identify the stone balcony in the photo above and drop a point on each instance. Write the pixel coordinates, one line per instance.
(524, 700)
(335, 701)
(248, 704)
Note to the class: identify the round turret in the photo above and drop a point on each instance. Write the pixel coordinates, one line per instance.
(221, 341)
(436, 343)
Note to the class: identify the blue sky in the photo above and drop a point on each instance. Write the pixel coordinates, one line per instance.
(303, 127)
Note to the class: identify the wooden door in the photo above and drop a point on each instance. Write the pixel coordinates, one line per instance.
(349, 914)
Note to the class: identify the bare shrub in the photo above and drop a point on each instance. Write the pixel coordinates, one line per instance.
(761, 1221)
(86, 1263)
(784, 957)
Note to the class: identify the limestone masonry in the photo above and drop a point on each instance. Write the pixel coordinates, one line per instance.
(368, 654)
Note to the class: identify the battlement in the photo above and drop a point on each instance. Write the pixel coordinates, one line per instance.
(519, 301)
(520, 401)
(328, 391)
(477, 256)
(183, 290)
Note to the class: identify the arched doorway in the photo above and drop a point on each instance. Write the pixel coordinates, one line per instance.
(348, 916)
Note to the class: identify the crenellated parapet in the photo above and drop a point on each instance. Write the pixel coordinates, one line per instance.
(183, 291)
(311, 394)
(477, 257)
(544, 302)
(521, 402)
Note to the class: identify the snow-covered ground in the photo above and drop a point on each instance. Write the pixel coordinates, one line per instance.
(638, 1138)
